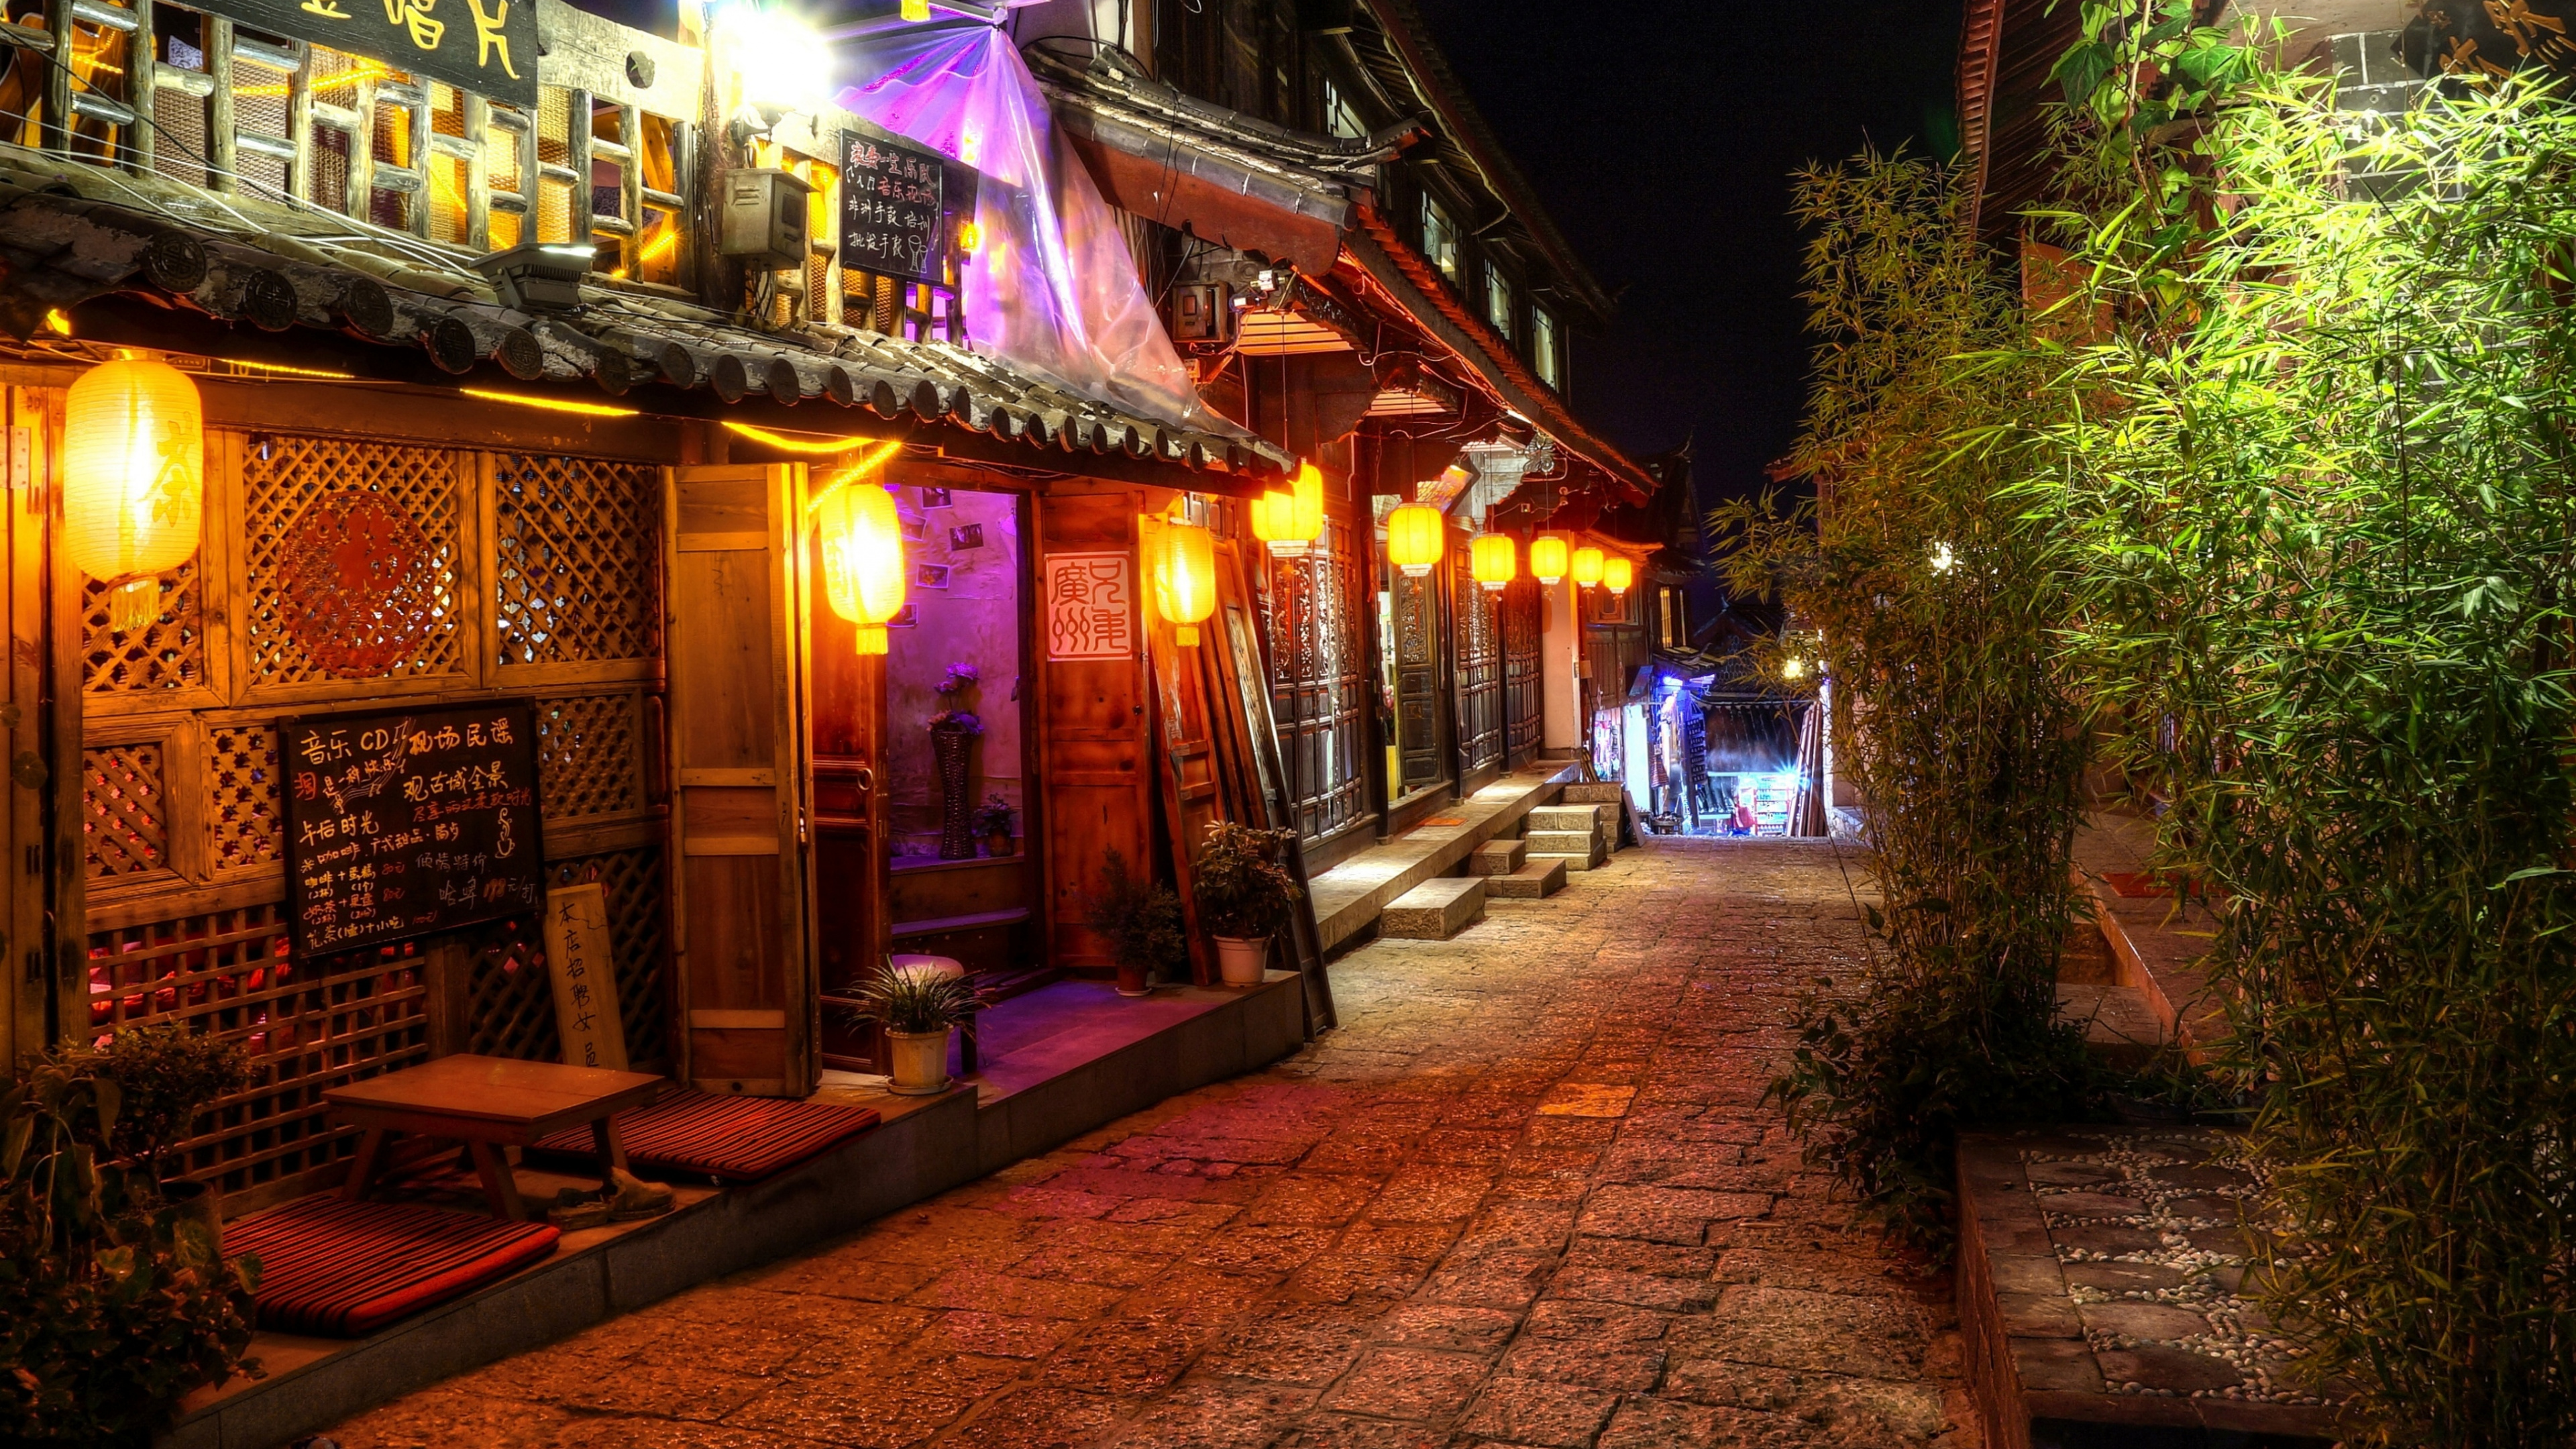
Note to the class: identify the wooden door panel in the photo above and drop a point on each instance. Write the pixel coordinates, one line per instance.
(1096, 757)
(741, 768)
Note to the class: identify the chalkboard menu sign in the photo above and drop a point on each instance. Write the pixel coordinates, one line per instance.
(409, 822)
(893, 208)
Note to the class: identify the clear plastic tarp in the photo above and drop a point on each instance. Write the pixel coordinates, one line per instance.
(1051, 286)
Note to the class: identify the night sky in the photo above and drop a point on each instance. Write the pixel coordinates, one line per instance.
(1660, 134)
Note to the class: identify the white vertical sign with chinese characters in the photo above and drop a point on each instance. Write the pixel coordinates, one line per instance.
(579, 958)
(1090, 606)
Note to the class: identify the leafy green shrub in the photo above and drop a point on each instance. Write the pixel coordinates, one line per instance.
(2317, 456)
(1241, 888)
(165, 1075)
(1139, 918)
(112, 1305)
(1933, 596)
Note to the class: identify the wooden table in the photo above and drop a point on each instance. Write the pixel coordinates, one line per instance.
(487, 1103)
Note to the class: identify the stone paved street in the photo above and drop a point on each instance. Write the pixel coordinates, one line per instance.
(1527, 1195)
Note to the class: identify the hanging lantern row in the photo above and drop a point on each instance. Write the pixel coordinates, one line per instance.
(1493, 560)
(1289, 520)
(1547, 559)
(1618, 575)
(863, 565)
(1185, 574)
(134, 481)
(1587, 567)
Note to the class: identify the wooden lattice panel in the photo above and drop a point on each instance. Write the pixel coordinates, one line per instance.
(169, 654)
(241, 796)
(285, 477)
(125, 820)
(576, 557)
(307, 1027)
(510, 1001)
(587, 750)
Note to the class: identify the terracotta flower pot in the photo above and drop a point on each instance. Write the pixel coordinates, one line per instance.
(1132, 980)
(998, 845)
(920, 1062)
(1241, 961)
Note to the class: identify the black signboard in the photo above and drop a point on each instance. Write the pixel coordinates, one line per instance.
(407, 822)
(893, 208)
(487, 46)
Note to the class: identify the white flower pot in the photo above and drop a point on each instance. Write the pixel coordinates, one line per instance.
(920, 1062)
(1242, 961)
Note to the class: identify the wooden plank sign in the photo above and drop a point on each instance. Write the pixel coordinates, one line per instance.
(488, 47)
(579, 958)
(409, 822)
(1090, 606)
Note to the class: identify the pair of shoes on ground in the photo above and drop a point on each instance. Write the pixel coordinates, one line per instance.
(624, 1198)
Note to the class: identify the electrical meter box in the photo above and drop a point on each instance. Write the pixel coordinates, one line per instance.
(765, 218)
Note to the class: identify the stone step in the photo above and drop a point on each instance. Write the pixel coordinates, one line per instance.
(2119, 1026)
(1565, 817)
(1497, 857)
(1607, 792)
(1535, 881)
(1593, 861)
(1434, 910)
(1563, 842)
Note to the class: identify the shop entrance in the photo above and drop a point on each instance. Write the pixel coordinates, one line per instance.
(923, 770)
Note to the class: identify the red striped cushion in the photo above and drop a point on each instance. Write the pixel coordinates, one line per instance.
(739, 1139)
(345, 1269)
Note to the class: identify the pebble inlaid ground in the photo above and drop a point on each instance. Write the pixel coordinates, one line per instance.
(1528, 1194)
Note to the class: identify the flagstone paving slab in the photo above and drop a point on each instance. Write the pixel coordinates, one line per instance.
(1528, 1195)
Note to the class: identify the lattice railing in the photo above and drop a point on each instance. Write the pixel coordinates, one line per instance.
(306, 1026)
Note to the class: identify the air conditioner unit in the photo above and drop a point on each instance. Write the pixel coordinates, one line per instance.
(764, 218)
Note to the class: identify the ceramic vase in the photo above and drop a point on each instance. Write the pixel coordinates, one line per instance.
(920, 1062)
(956, 823)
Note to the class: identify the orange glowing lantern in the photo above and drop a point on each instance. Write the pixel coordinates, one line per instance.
(134, 481)
(1414, 539)
(1547, 559)
(1587, 566)
(1184, 566)
(863, 565)
(1274, 522)
(1618, 575)
(1307, 491)
(1493, 560)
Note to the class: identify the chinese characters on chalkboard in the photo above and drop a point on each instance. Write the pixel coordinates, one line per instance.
(403, 824)
(893, 209)
(487, 46)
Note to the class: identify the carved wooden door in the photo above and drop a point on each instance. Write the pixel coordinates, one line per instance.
(1480, 674)
(741, 910)
(1092, 700)
(1420, 663)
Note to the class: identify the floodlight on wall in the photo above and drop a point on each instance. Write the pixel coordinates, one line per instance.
(538, 276)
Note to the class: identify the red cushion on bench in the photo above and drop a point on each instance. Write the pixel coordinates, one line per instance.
(345, 1269)
(740, 1139)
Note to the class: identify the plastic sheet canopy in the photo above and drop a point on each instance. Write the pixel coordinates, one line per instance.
(1051, 287)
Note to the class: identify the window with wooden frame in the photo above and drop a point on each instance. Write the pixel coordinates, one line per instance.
(1547, 348)
(1499, 301)
(504, 574)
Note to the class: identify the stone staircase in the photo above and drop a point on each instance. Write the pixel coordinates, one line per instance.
(1579, 832)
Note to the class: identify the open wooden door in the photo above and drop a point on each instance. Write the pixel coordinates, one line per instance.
(1097, 759)
(742, 914)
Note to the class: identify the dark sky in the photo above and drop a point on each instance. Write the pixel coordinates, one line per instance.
(1661, 135)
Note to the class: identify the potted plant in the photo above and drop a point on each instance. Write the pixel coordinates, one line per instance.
(117, 1303)
(993, 821)
(920, 1008)
(1245, 896)
(165, 1076)
(1141, 921)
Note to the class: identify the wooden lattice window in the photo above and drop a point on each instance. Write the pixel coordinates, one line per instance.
(307, 1026)
(1479, 665)
(167, 655)
(1524, 690)
(587, 751)
(576, 559)
(1317, 682)
(242, 789)
(512, 1002)
(419, 629)
(125, 819)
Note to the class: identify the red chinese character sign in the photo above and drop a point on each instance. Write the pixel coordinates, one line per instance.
(1090, 606)
(409, 822)
(359, 584)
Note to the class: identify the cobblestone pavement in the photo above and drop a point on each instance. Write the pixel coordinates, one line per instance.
(1527, 1195)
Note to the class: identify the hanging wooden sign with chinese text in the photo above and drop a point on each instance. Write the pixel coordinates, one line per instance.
(893, 208)
(581, 963)
(408, 822)
(488, 47)
(1090, 606)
